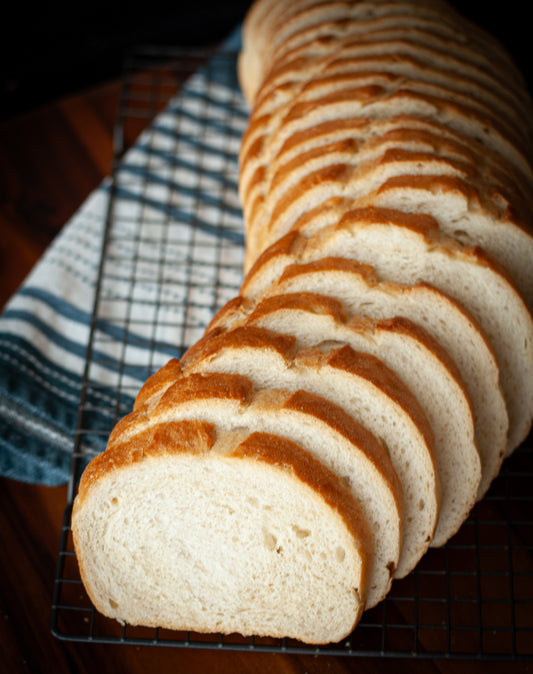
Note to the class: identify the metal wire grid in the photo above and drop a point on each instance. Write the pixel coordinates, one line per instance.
(471, 599)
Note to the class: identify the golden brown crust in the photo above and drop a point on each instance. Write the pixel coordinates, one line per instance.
(401, 325)
(417, 222)
(328, 263)
(197, 386)
(329, 212)
(183, 436)
(157, 382)
(310, 302)
(455, 184)
(238, 305)
(285, 246)
(334, 173)
(346, 146)
(373, 369)
(244, 337)
(300, 138)
(317, 408)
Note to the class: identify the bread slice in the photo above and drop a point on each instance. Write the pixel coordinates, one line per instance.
(319, 426)
(363, 294)
(361, 385)
(421, 363)
(405, 248)
(286, 527)
(471, 197)
(465, 203)
(452, 88)
(492, 211)
(277, 203)
(395, 163)
(472, 216)
(370, 139)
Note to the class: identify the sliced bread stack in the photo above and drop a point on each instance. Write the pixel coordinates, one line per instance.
(347, 410)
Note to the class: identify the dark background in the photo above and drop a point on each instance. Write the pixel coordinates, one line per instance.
(46, 52)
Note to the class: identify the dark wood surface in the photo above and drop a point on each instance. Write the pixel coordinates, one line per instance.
(51, 157)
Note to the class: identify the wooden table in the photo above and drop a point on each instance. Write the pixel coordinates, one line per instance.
(51, 159)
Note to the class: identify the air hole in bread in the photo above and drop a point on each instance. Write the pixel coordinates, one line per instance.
(300, 532)
(270, 540)
(113, 603)
(460, 234)
(330, 344)
(346, 481)
(340, 553)
(382, 440)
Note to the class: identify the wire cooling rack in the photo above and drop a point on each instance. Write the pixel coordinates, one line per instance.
(171, 256)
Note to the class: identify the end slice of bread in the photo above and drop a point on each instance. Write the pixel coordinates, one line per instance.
(289, 554)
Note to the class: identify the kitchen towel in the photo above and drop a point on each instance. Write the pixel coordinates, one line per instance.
(130, 281)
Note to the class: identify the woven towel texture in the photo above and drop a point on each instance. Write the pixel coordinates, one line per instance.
(172, 225)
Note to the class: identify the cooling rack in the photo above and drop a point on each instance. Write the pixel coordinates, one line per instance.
(172, 252)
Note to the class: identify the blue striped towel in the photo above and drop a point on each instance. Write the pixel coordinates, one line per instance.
(171, 220)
